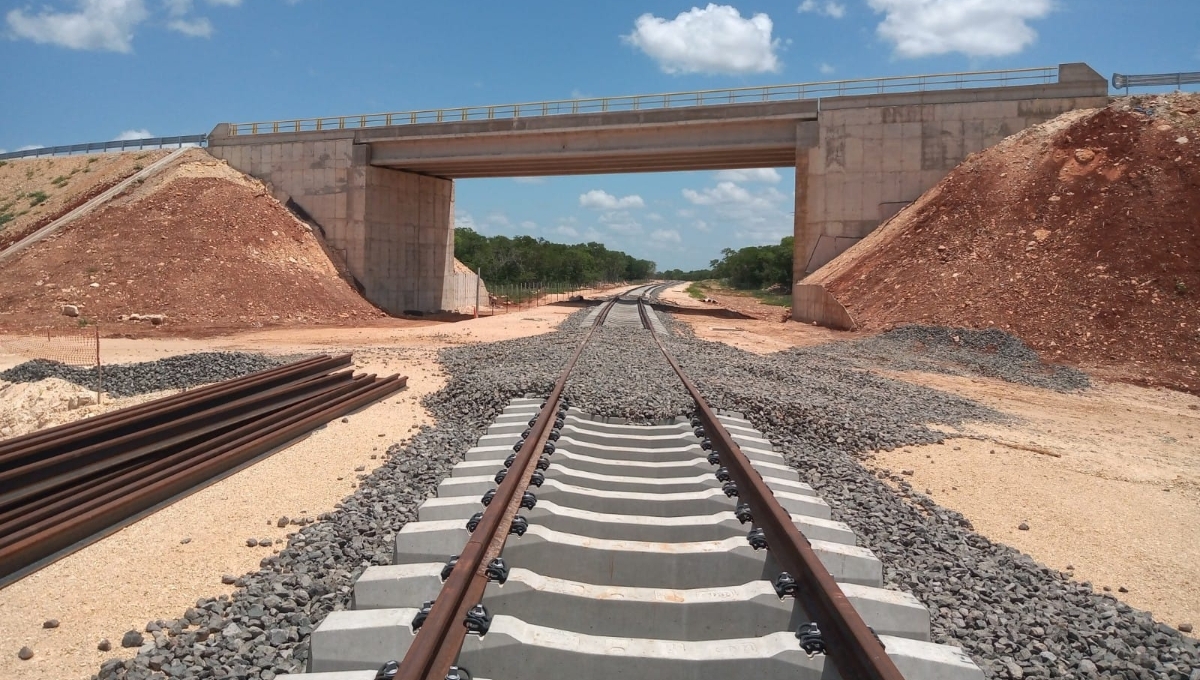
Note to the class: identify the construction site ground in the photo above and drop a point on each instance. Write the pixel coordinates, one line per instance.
(1125, 470)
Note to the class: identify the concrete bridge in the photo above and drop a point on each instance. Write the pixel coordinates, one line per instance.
(381, 186)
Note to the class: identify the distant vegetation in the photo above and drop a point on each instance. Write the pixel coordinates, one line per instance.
(524, 259)
(750, 268)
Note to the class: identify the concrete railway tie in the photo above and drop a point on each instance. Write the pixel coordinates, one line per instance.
(634, 564)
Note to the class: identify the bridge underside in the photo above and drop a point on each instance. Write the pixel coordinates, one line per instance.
(383, 196)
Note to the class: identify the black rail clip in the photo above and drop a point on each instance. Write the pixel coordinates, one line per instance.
(537, 478)
(554, 435)
(457, 673)
(487, 497)
(706, 444)
(449, 567)
(473, 523)
(528, 500)
(785, 585)
(714, 458)
(809, 635)
(497, 570)
(757, 539)
(549, 448)
(518, 445)
(388, 670)
(519, 526)
(422, 614)
(743, 513)
(699, 432)
(478, 620)
(543, 463)
(730, 489)
(723, 475)
(501, 474)
(512, 458)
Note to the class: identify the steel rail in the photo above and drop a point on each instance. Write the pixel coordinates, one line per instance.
(44, 475)
(855, 650)
(437, 644)
(189, 468)
(107, 425)
(80, 483)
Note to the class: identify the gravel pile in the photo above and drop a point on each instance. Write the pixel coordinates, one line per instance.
(126, 380)
(991, 353)
(1017, 619)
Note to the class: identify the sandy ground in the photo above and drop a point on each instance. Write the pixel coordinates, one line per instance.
(761, 336)
(1107, 481)
(146, 572)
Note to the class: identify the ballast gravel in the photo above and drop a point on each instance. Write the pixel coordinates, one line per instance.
(1015, 618)
(127, 380)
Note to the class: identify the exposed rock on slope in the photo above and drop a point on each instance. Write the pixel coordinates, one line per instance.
(201, 244)
(1081, 236)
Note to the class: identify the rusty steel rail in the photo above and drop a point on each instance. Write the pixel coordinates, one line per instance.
(850, 644)
(58, 497)
(434, 650)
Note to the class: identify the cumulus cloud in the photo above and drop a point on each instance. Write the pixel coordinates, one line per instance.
(94, 25)
(199, 27)
(464, 220)
(31, 147)
(764, 175)
(665, 236)
(825, 68)
(757, 216)
(716, 39)
(129, 135)
(602, 200)
(976, 28)
(834, 10)
(566, 230)
(621, 222)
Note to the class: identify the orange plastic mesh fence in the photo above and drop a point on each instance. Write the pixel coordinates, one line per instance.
(76, 347)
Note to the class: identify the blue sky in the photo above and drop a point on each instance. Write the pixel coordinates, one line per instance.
(90, 70)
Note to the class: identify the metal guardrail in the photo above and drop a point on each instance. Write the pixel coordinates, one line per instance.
(101, 147)
(669, 100)
(1124, 82)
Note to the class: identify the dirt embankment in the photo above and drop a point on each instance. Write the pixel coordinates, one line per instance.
(1080, 236)
(200, 243)
(37, 191)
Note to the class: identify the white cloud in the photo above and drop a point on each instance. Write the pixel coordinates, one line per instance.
(497, 219)
(528, 225)
(620, 222)
(715, 39)
(764, 175)
(654, 217)
(602, 200)
(835, 10)
(133, 134)
(567, 230)
(529, 180)
(193, 28)
(976, 28)
(464, 220)
(31, 147)
(825, 68)
(665, 236)
(701, 225)
(758, 216)
(94, 25)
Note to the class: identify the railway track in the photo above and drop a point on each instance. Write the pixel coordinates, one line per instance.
(566, 545)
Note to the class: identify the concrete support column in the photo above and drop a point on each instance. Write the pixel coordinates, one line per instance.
(405, 236)
(805, 234)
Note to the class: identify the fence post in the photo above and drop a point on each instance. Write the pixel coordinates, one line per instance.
(99, 371)
(478, 280)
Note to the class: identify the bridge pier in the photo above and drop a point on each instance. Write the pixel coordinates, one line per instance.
(393, 229)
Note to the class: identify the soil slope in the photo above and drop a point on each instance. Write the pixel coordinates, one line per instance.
(200, 243)
(37, 191)
(1081, 236)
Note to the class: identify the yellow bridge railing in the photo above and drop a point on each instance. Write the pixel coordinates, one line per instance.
(668, 100)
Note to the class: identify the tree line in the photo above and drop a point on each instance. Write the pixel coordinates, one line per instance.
(524, 259)
(750, 268)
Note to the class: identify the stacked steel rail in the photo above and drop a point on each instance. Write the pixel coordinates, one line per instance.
(64, 486)
(850, 644)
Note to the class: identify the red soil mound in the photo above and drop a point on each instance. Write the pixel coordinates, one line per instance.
(1081, 236)
(204, 246)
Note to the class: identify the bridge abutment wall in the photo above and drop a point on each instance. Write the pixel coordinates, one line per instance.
(393, 229)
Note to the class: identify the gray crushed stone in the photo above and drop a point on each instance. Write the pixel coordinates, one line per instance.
(127, 380)
(991, 353)
(1015, 618)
